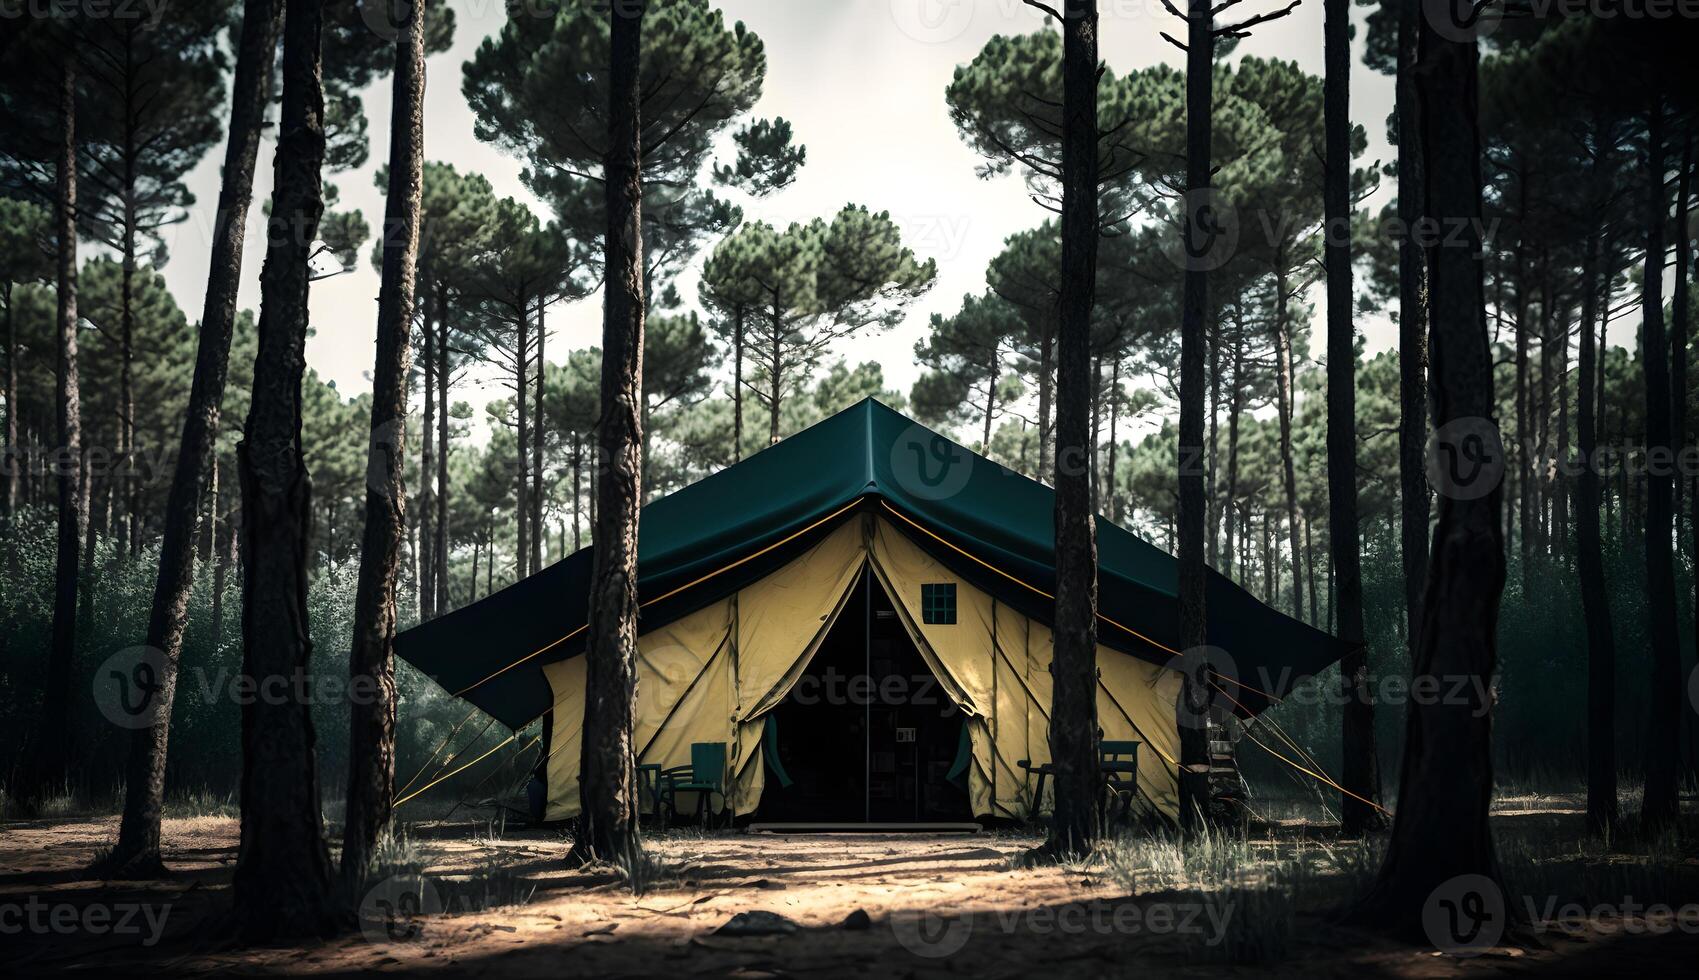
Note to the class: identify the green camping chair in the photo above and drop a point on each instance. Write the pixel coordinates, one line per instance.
(964, 757)
(705, 776)
(770, 752)
(1118, 762)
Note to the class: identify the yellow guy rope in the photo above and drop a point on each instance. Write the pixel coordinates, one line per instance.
(688, 585)
(1274, 727)
(1304, 769)
(465, 767)
(438, 750)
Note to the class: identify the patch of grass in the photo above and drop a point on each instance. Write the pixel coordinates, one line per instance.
(1540, 871)
(488, 833)
(202, 803)
(491, 885)
(1259, 884)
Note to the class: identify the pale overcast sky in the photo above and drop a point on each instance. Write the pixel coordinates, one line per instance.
(863, 83)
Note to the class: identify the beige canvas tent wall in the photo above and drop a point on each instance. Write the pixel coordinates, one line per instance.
(715, 674)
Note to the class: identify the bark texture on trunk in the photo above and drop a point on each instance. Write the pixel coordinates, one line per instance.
(1590, 567)
(283, 882)
(137, 850)
(1446, 780)
(426, 579)
(1415, 502)
(11, 454)
(1663, 717)
(371, 664)
(1360, 772)
(1288, 468)
(1073, 717)
(1192, 705)
(49, 766)
(737, 402)
(537, 532)
(521, 389)
(444, 377)
(607, 827)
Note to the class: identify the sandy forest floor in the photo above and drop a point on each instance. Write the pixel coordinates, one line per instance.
(888, 906)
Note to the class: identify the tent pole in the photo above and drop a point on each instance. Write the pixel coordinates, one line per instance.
(867, 671)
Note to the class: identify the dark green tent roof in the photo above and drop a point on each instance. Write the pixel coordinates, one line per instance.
(967, 511)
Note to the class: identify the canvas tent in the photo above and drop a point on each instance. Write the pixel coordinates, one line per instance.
(744, 578)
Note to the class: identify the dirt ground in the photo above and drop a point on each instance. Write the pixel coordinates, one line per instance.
(862, 905)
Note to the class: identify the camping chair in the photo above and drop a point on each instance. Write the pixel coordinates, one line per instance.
(705, 776)
(1118, 761)
(964, 757)
(770, 752)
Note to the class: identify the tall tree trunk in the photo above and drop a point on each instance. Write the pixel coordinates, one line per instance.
(371, 663)
(49, 765)
(521, 391)
(1679, 347)
(427, 459)
(1288, 469)
(1589, 559)
(1678, 327)
(137, 850)
(607, 826)
(1559, 538)
(127, 324)
(1548, 373)
(776, 382)
(990, 400)
(282, 886)
(1095, 417)
(1310, 569)
(1524, 464)
(1073, 717)
(1663, 716)
(1114, 444)
(537, 533)
(1360, 773)
(737, 403)
(1415, 502)
(1193, 704)
(1446, 780)
(1212, 494)
(220, 568)
(1235, 405)
(577, 488)
(11, 454)
(1046, 398)
(444, 379)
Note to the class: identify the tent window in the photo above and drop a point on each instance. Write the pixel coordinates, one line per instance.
(938, 604)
